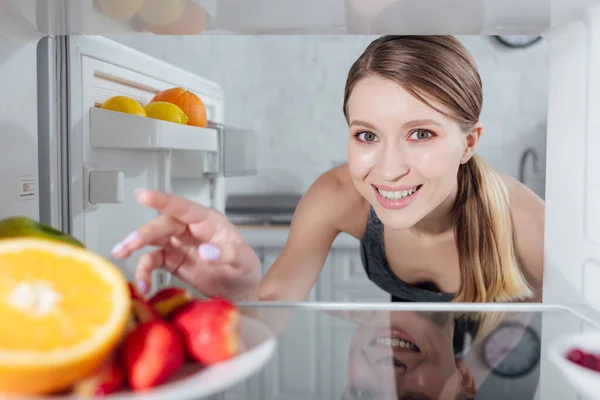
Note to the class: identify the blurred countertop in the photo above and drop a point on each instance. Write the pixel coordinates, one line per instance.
(276, 236)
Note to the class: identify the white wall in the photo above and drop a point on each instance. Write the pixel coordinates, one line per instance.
(291, 89)
(18, 122)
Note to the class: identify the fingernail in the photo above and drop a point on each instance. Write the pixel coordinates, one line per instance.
(117, 249)
(131, 237)
(138, 191)
(142, 287)
(121, 245)
(209, 252)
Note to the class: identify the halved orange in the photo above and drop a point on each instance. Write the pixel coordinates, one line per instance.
(63, 310)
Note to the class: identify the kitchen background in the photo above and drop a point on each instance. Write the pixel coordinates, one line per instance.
(290, 89)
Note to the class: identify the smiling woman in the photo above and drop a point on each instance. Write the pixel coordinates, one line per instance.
(435, 222)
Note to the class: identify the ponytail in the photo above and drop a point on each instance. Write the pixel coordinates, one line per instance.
(484, 236)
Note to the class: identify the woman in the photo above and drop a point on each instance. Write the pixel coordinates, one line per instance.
(435, 222)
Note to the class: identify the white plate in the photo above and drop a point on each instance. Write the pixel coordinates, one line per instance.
(193, 382)
(584, 380)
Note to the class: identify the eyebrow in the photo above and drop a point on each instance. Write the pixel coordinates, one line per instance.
(407, 125)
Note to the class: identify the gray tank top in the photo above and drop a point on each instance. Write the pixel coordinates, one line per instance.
(372, 251)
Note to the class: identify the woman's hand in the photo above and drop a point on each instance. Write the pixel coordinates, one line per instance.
(197, 244)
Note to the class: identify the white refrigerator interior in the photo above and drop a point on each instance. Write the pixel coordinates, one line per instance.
(67, 163)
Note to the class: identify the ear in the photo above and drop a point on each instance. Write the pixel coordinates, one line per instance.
(469, 385)
(471, 142)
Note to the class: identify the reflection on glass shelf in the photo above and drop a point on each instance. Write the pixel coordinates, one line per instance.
(348, 352)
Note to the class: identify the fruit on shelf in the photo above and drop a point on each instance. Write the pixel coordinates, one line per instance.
(192, 21)
(167, 112)
(14, 227)
(119, 10)
(152, 353)
(125, 105)
(78, 299)
(108, 379)
(188, 102)
(169, 300)
(210, 329)
(141, 310)
(161, 12)
(585, 359)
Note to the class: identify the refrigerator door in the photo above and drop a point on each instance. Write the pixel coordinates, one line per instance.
(108, 155)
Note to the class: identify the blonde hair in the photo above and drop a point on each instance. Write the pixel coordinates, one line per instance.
(441, 68)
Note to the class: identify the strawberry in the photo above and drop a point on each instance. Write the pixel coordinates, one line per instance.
(152, 353)
(141, 310)
(108, 379)
(168, 300)
(210, 329)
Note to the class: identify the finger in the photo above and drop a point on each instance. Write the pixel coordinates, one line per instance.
(174, 206)
(186, 247)
(155, 233)
(147, 263)
(226, 253)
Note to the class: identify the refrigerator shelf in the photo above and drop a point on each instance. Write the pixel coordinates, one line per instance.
(116, 130)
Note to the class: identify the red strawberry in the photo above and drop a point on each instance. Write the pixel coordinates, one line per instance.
(141, 310)
(107, 380)
(210, 329)
(168, 300)
(152, 353)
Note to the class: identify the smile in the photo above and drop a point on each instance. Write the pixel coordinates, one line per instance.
(398, 194)
(393, 199)
(395, 343)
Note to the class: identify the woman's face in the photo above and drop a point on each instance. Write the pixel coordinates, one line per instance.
(407, 355)
(404, 155)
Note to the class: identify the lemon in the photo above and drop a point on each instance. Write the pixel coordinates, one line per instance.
(161, 12)
(120, 10)
(124, 104)
(166, 112)
(27, 228)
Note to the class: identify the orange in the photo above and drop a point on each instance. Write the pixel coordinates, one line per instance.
(64, 310)
(191, 104)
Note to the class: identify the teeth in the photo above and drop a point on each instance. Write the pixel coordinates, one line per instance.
(395, 342)
(397, 194)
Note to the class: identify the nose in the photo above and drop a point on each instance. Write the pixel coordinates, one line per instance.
(393, 164)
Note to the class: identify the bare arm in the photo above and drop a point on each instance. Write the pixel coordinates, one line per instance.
(318, 219)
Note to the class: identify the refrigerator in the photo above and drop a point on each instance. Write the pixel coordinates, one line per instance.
(75, 166)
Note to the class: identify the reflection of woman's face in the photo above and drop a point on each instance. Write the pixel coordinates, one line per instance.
(406, 355)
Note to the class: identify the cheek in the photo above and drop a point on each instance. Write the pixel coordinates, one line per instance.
(436, 161)
(361, 159)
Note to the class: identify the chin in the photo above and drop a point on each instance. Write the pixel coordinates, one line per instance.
(397, 219)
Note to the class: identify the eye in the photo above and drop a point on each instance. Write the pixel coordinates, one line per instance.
(366, 136)
(422, 134)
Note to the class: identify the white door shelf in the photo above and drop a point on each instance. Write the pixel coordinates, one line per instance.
(117, 130)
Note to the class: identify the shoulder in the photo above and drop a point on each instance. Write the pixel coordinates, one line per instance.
(333, 197)
(528, 213)
(525, 205)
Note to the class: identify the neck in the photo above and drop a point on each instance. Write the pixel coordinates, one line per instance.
(440, 220)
